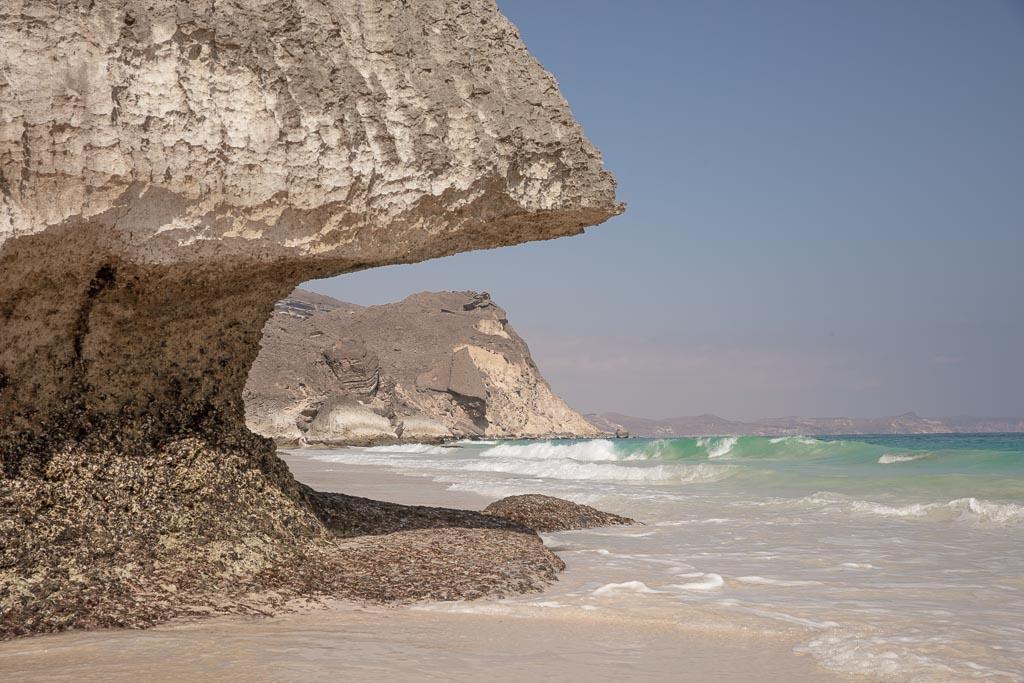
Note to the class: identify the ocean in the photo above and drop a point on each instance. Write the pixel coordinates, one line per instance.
(897, 557)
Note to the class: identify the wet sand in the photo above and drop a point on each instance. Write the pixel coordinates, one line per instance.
(347, 642)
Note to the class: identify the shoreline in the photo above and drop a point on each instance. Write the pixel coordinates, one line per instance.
(454, 441)
(489, 639)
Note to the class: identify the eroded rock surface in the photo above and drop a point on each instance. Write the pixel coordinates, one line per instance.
(547, 513)
(436, 366)
(126, 535)
(168, 171)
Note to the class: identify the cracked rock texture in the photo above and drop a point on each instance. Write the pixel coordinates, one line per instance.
(433, 367)
(169, 170)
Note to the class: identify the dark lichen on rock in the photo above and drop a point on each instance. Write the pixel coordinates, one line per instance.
(547, 513)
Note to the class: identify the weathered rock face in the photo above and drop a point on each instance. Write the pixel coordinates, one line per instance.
(170, 169)
(436, 366)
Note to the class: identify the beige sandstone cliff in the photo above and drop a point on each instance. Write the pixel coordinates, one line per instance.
(434, 367)
(170, 169)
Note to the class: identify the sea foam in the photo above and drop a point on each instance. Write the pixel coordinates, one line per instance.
(706, 582)
(626, 587)
(415, 448)
(571, 469)
(890, 458)
(961, 509)
(763, 581)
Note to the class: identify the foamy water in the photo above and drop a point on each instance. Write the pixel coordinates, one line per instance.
(895, 557)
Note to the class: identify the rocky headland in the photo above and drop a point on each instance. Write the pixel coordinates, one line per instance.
(434, 367)
(168, 172)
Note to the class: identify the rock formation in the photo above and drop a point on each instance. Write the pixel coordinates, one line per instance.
(168, 171)
(712, 425)
(547, 513)
(433, 367)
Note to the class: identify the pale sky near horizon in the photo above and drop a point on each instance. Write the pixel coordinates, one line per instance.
(826, 210)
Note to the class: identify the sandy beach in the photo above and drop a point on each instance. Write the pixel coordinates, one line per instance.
(492, 640)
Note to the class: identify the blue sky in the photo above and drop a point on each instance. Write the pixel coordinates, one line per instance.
(826, 210)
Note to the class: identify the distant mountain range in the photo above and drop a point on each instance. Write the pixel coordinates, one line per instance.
(712, 425)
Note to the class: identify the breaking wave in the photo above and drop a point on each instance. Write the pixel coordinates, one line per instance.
(890, 458)
(716, 448)
(944, 479)
(594, 451)
(793, 465)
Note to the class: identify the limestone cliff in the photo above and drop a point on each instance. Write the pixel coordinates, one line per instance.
(169, 170)
(433, 367)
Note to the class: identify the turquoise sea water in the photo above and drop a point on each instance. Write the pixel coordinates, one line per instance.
(989, 466)
(896, 557)
(894, 468)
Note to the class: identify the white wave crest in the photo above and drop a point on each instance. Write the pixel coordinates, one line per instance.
(806, 440)
(626, 587)
(595, 450)
(706, 582)
(716, 448)
(418, 448)
(890, 458)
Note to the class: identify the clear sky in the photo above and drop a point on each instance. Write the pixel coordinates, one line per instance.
(826, 210)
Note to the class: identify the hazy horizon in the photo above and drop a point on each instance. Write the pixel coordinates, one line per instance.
(826, 212)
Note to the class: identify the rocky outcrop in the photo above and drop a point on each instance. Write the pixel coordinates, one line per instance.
(168, 171)
(186, 530)
(547, 513)
(433, 367)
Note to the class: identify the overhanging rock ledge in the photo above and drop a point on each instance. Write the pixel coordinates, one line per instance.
(168, 171)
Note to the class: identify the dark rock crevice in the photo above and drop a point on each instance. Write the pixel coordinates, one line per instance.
(105, 277)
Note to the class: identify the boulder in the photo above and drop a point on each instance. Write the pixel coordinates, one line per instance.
(343, 421)
(547, 513)
(422, 429)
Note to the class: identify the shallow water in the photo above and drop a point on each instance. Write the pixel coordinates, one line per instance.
(347, 644)
(899, 557)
